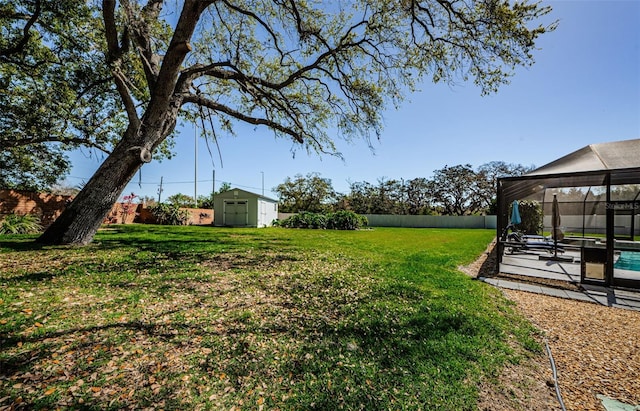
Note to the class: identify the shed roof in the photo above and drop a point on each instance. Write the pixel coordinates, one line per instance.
(245, 193)
(616, 155)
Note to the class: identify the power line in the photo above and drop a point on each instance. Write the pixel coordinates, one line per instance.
(164, 183)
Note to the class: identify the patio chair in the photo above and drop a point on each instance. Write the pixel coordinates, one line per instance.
(515, 241)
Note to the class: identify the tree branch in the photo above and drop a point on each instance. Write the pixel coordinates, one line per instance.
(111, 31)
(7, 143)
(138, 26)
(113, 59)
(19, 46)
(260, 21)
(217, 107)
(178, 49)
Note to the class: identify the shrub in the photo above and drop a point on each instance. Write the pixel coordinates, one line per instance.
(314, 220)
(341, 220)
(169, 214)
(305, 220)
(20, 224)
(531, 214)
(346, 220)
(287, 222)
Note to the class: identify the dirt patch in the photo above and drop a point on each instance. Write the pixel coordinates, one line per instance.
(545, 282)
(485, 265)
(525, 386)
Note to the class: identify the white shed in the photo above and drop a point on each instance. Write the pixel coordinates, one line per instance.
(240, 208)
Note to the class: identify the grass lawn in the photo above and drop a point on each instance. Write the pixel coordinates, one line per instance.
(252, 319)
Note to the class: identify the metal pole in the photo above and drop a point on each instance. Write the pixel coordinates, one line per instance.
(611, 215)
(584, 211)
(554, 223)
(160, 189)
(213, 196)
(633, 216)
(195, 163)
(262, 172)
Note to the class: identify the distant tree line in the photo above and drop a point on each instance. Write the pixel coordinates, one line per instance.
(452, 190)
(455, 190)
(187, 201)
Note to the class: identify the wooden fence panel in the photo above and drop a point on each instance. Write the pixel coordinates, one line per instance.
(47, 206)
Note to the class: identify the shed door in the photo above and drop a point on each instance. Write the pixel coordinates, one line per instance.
(235, 213)
(263, 214)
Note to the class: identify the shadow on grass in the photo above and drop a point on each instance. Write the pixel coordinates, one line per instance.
(395, 348)
(366, 365)
(21, 244)
(199, 242)
(31, 277)
(380, 355)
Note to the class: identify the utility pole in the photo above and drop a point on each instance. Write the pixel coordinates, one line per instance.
(213, 195)
(195, 162)
(262, 172)
(160, 190)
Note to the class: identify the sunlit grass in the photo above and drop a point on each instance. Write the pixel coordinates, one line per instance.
(211, 318)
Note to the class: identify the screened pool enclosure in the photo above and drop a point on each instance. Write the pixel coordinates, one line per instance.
(596, 216)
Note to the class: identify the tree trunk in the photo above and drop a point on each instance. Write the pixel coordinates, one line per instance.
(81, 219)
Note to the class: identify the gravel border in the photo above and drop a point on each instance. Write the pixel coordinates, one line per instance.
(596, 348)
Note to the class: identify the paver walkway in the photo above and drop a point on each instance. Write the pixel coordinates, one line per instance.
(610, 297)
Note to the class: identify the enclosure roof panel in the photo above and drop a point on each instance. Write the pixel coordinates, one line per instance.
(615, 155)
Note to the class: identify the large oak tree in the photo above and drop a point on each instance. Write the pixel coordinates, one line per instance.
(310, 71)
(310, 193)
(54, 90)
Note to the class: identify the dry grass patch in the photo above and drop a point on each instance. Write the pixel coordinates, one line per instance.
(197, 318)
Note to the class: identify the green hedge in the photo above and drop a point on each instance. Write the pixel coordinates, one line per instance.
(340, 220)
(531, 214)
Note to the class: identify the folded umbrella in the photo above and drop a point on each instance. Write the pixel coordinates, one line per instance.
(557, 233)
(515, 213)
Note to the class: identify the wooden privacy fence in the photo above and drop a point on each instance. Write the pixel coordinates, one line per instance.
(49, 206)
(197, 216)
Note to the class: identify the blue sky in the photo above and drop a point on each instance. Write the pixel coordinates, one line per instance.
(584, 88)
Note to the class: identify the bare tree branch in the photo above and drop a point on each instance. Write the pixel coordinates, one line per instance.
(217, 107)
(114, 55)
(8, 143)
(138, 26)
(260, 21)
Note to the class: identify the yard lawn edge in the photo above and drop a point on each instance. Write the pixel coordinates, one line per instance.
(527, 385)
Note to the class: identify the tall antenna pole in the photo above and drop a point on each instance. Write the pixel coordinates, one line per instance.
(195, 163)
